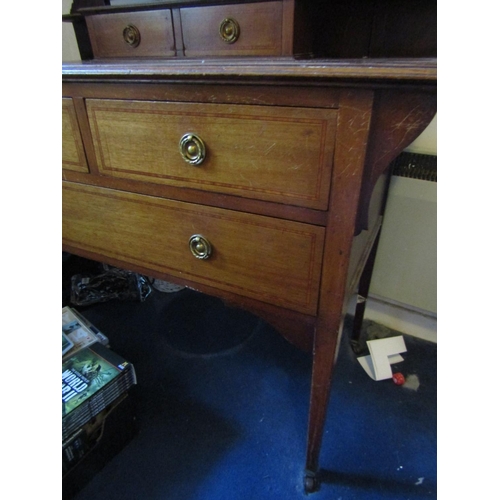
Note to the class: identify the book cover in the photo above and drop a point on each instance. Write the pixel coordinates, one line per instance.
(76, 331)
(100, 336)
(86, 411)
(66, 344)
(98, 402)
(86, 373)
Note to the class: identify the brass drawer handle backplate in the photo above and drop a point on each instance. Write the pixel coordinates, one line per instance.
(200, 247)
(132, 35)
(192, 149)
(229, 30)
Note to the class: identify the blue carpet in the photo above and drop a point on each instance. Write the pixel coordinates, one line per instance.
(230, 423)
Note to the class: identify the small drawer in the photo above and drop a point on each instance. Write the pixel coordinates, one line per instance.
(73, 154)
(253, 29)
(264, 258)
(132, 34)
(278, 154)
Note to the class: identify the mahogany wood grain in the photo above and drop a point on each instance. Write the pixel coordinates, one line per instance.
(399, 117)
(264, 258)
(315, 28)
(73, 154)
(86, 136)
(258, 207)
(260, 94)
(288, 27)
(268, 27)
(260, 29)
(268, 153)
(352, 139)
(156, 34)
(297, 328)
(275, 71)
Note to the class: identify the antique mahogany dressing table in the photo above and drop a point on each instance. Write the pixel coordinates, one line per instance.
(241, 148)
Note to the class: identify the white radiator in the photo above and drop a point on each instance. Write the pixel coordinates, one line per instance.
(403, 291)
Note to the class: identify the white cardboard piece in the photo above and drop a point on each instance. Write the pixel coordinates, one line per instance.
(383, 353)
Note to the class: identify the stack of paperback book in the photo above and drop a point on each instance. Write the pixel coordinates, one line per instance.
(94, 380)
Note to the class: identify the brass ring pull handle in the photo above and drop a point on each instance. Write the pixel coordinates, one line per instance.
(132, 35)
(192, 149)
(229, 30)
(200, 247)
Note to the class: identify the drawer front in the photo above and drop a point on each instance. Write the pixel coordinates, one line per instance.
(253, 29)
(263, 258)
(132, 34)
(269, 153)
(73, 155)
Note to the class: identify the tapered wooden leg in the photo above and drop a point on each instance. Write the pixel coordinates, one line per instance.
(325, 353)
(326, 344)
(353, 135)
(372, 130)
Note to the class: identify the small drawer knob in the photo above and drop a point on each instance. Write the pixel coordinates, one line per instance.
(229, 30)
(192, 149)
(132, 35)
(200, 247)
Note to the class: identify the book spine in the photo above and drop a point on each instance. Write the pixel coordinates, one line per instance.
(98, 402)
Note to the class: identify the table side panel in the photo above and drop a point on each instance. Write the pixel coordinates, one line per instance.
(73, 154)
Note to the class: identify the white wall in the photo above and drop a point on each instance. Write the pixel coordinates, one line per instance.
(70, 50)
(406, 265)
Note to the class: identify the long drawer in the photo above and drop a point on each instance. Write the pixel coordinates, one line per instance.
(270, 153)
(260, 257)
